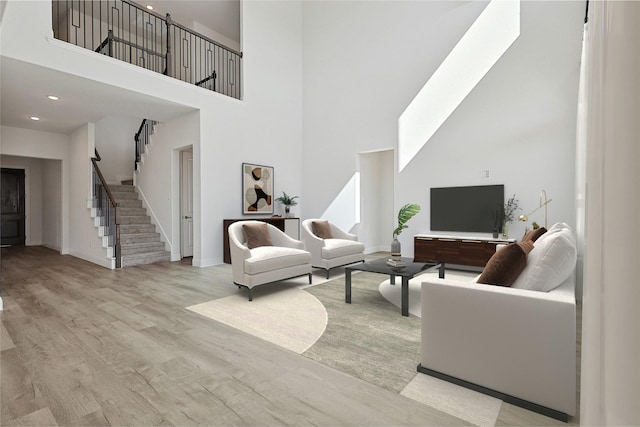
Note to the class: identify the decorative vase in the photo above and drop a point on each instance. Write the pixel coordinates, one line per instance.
(286, 211)
(505, 231)
(395, 249)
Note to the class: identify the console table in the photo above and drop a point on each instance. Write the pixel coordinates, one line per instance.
(455, 250)
(291, 227)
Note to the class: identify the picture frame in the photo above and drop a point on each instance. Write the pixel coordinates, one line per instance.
(257, 189)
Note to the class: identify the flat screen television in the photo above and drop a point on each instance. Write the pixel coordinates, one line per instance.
(466, 209)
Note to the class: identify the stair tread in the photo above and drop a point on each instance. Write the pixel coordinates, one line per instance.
(122, 189)
(141, 244)
(147, 254)
(145, 258)
(137, 234)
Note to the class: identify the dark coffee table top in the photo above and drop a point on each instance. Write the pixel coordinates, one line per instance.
(380, 266)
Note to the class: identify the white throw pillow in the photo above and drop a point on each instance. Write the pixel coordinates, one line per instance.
(551, 261)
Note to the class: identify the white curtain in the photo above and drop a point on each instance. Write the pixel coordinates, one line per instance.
(610, 374)
(581, 162)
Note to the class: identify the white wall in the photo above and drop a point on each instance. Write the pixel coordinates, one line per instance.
(518, 122)
(359, 77)
(115, 143)
(30, 144)
(83, 236)
(265, 129)
(159, 172)
(52, 208)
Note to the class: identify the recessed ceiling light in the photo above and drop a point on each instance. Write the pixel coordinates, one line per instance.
(53, 97)
(149, 7)
(34, 118)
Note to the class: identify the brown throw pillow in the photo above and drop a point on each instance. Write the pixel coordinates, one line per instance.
(257, 235)
(534, 234)
(321, 229)
(504, 267)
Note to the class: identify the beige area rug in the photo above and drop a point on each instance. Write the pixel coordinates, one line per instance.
(296, 319)
(393, 293)
(282, 314)
(476, 408)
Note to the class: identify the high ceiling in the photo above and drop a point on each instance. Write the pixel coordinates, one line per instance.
(24, 87)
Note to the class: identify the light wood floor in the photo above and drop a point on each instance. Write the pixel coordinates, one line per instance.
(83, 345)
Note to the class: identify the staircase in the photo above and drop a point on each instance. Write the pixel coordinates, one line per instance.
(140, 244)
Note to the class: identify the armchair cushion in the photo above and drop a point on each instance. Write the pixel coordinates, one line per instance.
(322, 229)
(269, 258)
(504, 267)
(256, 235)
(551, 262)
(335, 248)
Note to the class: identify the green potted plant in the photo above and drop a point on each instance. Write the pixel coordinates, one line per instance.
(508, 213)
(404, 215)
(287, 201)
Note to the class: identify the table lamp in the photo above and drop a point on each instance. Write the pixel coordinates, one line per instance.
(543, 204)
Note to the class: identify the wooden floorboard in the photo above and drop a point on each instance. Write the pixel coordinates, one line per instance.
(84, 345)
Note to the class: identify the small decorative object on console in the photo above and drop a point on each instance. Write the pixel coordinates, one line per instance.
(396, 263)
(287, 202)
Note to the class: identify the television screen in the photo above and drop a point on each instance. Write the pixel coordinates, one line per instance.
(466, 209)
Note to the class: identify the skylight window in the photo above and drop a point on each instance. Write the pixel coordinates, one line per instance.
(488, 38)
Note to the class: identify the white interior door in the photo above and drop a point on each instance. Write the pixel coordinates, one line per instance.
(186, 204)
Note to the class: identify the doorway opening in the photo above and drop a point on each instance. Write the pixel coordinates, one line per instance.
(12, 208)
(186, 203)
(376, 170)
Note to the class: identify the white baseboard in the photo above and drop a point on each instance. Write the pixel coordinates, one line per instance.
(55, 248)
(199, 262)
(105, 262)
(374, 249)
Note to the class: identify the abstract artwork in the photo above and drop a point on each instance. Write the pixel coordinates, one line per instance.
(257, 189)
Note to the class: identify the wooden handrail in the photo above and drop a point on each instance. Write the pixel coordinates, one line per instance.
(104, 183)
(116, 206)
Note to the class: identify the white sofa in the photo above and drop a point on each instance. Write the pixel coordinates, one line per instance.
(341, 249)
(516, 344)
(284, 259)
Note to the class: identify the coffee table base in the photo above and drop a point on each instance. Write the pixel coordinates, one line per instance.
(405, 281)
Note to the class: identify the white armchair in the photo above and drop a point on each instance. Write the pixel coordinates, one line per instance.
(284, 259)
(336, 249)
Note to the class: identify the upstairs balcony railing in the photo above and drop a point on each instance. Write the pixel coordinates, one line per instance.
(126, 31)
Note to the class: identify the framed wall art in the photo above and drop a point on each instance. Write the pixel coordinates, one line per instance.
(257, 189)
